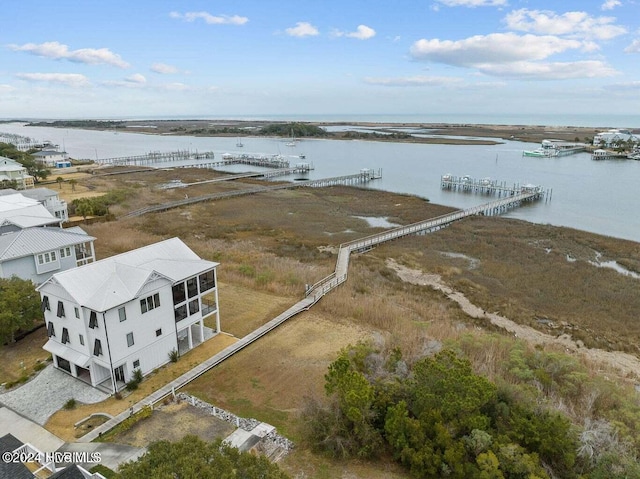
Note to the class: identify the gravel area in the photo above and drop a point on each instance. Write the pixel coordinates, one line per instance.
(47, 393)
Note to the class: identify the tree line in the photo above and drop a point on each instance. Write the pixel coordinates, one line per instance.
(438, 418)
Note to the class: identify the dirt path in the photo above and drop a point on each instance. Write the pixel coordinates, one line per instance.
(626, 365)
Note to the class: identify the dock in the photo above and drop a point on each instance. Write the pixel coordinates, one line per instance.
(199, 160)
(489, 186)
(298, 169)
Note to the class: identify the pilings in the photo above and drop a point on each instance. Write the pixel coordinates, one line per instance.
(156, 157)
(488, 186)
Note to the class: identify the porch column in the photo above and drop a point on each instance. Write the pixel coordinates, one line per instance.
(190, 337)
(202, 330)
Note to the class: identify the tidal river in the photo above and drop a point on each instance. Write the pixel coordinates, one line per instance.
(595, 196)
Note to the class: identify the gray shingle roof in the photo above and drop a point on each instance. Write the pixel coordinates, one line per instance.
(9, 443)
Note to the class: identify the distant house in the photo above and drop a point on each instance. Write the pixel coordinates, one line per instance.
(129, 312)
(19, 212)
(11, 170)
(37, 253)
(52, 158)
(47, 198)
(611, 137)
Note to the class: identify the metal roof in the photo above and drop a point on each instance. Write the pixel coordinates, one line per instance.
(113, 281)
(32, 241)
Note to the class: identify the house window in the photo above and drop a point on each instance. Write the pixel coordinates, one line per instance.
(180, 312)
(149, 303)
(65, 335)
(122, 313)
(51, 332)
(77, 311)
(49, 257)
(97, 348)
(194, 306)
(136, 364)
(64, 252)
(207, 281)
(130, 339)
(81, 338)
(45, 304)
(93, 320)
(179, 295)
(60, 313)
(192, 287)
(158, 332)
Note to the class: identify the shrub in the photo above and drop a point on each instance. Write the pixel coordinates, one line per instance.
(70, 404)
(174, 355)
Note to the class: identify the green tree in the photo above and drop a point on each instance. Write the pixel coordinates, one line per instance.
(84, 207)
(59, 180)
(73, 182)
(19, 307)
(193, 458)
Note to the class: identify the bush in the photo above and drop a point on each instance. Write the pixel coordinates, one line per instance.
(70, 404)
(174, 355)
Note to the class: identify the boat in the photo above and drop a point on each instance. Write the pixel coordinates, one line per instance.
(302, 156)
(537, 153)
(291, 142)
(239, 143)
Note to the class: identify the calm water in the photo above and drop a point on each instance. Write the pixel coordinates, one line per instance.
(596, 196)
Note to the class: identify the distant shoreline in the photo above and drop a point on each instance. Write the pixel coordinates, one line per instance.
(433, 133)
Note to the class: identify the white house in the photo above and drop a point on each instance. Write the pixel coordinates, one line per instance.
(11, 170)
(129, 311)
(52, 158)
(610, 137)
(18, 212)
(47, 198)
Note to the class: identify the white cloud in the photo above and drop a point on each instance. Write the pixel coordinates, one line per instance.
(6, 88)
(176, 86)
(302, 29)
(473, 3)
(549, 71)
(632, 86)
(59, 51)
(412, 81)
(69, 79)
(634, 47)
(163, 68)
(210, 19)
(493, 48)
(573, 24)
(136, 78)
(610, 4)
(363, 32)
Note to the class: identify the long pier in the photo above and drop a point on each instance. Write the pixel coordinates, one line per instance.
(301, 168)
(204, 160)
(364, 176)
(325, 285)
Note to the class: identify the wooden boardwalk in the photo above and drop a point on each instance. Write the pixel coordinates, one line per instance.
(362, 177)
(313, 294)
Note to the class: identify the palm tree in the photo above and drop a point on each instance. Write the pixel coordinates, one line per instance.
(59, 180)
(73, 182)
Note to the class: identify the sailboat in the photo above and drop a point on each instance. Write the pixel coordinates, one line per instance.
(239, 143)
(291, 142)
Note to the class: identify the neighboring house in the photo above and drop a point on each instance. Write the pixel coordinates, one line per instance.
(611, 137)
(12, 446)
(47, 198)
(52, 158)
(130, 311)
(11, 170)
(37, 253)
(18, 212)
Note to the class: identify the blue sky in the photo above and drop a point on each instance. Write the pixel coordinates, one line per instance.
(149, 58)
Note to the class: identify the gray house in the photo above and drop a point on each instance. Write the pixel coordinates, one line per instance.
(37, 253)
(46, 197)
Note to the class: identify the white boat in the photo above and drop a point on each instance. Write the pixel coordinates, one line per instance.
(291, 142)
(302, 156)
(239, 143)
